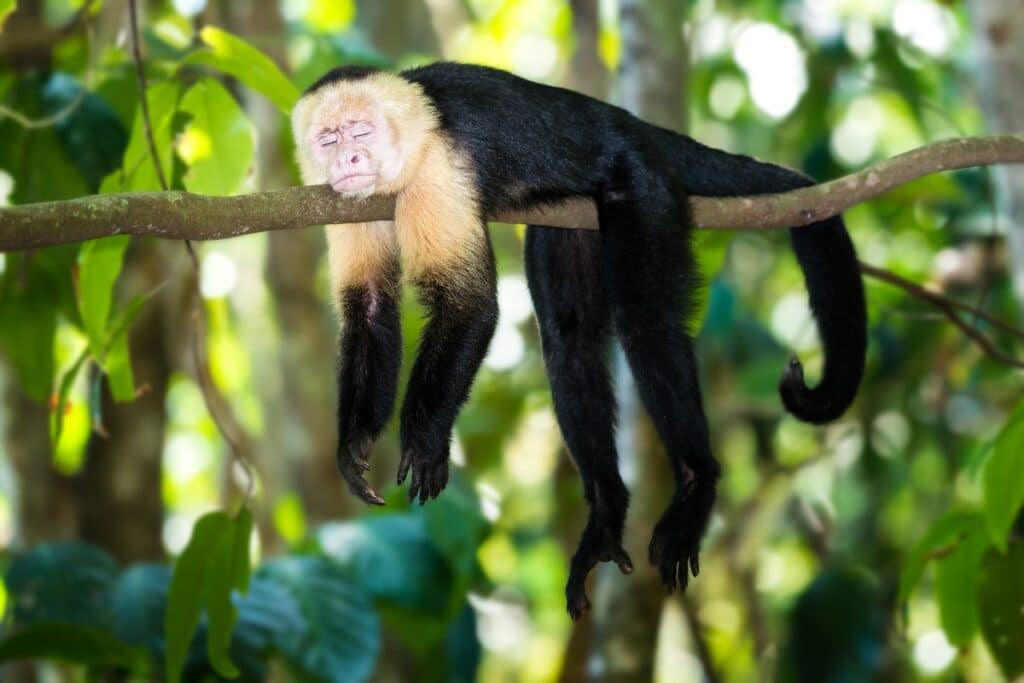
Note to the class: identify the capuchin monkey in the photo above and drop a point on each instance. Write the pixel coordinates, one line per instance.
(458, 143)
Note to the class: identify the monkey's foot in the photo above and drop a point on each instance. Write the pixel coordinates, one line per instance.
(352, 463)
(599, 544)
(429, 474)
(675, 545)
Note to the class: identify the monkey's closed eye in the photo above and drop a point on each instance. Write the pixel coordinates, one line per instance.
(327, 140)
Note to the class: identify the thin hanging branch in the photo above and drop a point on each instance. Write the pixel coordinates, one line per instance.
(217, 406)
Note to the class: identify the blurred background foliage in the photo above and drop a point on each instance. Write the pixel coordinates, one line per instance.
(885, 546)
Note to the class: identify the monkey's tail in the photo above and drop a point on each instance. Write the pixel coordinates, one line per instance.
(829, 264)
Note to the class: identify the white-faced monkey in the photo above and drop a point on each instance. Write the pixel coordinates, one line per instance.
(457, 143)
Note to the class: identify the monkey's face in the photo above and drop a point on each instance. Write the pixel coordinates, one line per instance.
(356, 153)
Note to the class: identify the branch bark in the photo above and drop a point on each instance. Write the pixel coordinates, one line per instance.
(182, 215)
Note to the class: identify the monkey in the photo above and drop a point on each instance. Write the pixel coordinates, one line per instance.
(456, 143)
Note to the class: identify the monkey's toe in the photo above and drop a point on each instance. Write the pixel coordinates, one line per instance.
(352, 463)
(429, 475)
(576, 601)
(675, 546)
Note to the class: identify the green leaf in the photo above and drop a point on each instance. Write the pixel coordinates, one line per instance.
(6, 7)
(67, 581)
(99, 266)
(66, 382)
(204, 575)
(1003, 479)
(711, 247)
(217, 144)
(139, 603)
(117, 362)
(342, 638)
(138, 172)
(1001, 603)
(89, 646)
(946, 531)
(235, 57)
(956, 580)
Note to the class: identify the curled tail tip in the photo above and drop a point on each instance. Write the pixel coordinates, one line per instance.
(818, 405)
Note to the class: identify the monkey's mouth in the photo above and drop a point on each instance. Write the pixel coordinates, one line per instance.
(354, 182)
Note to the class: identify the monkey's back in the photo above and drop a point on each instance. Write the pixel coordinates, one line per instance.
(528, 142)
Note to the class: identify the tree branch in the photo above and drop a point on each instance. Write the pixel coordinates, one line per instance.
(181, 215)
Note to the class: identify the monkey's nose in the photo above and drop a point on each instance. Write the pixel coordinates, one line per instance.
(355, 159)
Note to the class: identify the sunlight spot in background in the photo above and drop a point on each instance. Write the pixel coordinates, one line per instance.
(507, 348)
(890, 434)
(792, 323)
(726, 96)
(6, 187)
(532, 453)
(189, 8)
(534, 56)
(502, 622)
(855, 137)
(924, 25)
(933, 653)
(820, 19)
(490, 501)
(859, 36)
(774, 65)
(187, 456)
(514, 299)
(218, 275)
(178, 528)
(712, 37)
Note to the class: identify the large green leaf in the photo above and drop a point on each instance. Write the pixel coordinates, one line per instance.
(138, 171)
(99, 265)
(1001, 603)
(67, 582)
(342, 638)
(1003, 479)
(944, 533)
(235, 57)
(205, 573)
(392, 558)
(139, 604)
(88, 646)
(117, 362)
(956, 580)
(217, 144)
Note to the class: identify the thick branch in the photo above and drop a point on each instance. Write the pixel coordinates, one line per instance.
(181, 215)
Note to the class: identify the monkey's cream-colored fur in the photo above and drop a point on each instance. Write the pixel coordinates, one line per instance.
(437, 231)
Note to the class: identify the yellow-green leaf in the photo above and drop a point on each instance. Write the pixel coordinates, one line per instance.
(1003, 479)
(99, 265)
(217, 144)
(232, 55)
(6, 7)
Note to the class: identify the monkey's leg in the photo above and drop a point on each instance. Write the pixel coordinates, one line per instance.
(563, 269)
(651, 276)
(462, 306)
(365, 271)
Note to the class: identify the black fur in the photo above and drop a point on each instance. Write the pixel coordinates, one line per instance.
(530, 143)
(370, 358)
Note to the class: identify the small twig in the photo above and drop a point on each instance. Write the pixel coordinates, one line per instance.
(216, 405)
(140, 77)
(951, 308)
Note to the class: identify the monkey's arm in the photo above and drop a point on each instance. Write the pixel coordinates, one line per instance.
(371, 344)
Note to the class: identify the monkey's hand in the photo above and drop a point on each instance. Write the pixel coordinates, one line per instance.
(429, 473)
(675, 545)
(352, 463)
(598, 544)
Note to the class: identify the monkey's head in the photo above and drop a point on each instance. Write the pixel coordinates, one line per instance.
(361, 134)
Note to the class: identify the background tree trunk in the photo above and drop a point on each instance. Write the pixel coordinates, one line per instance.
(999, 35)
(650, 83)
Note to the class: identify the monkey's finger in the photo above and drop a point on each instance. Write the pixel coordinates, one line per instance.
(360, 488)
(695, 564)
(403, 467)
(362, 464)
(425, 488)
(623, 561)
(414, 485)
